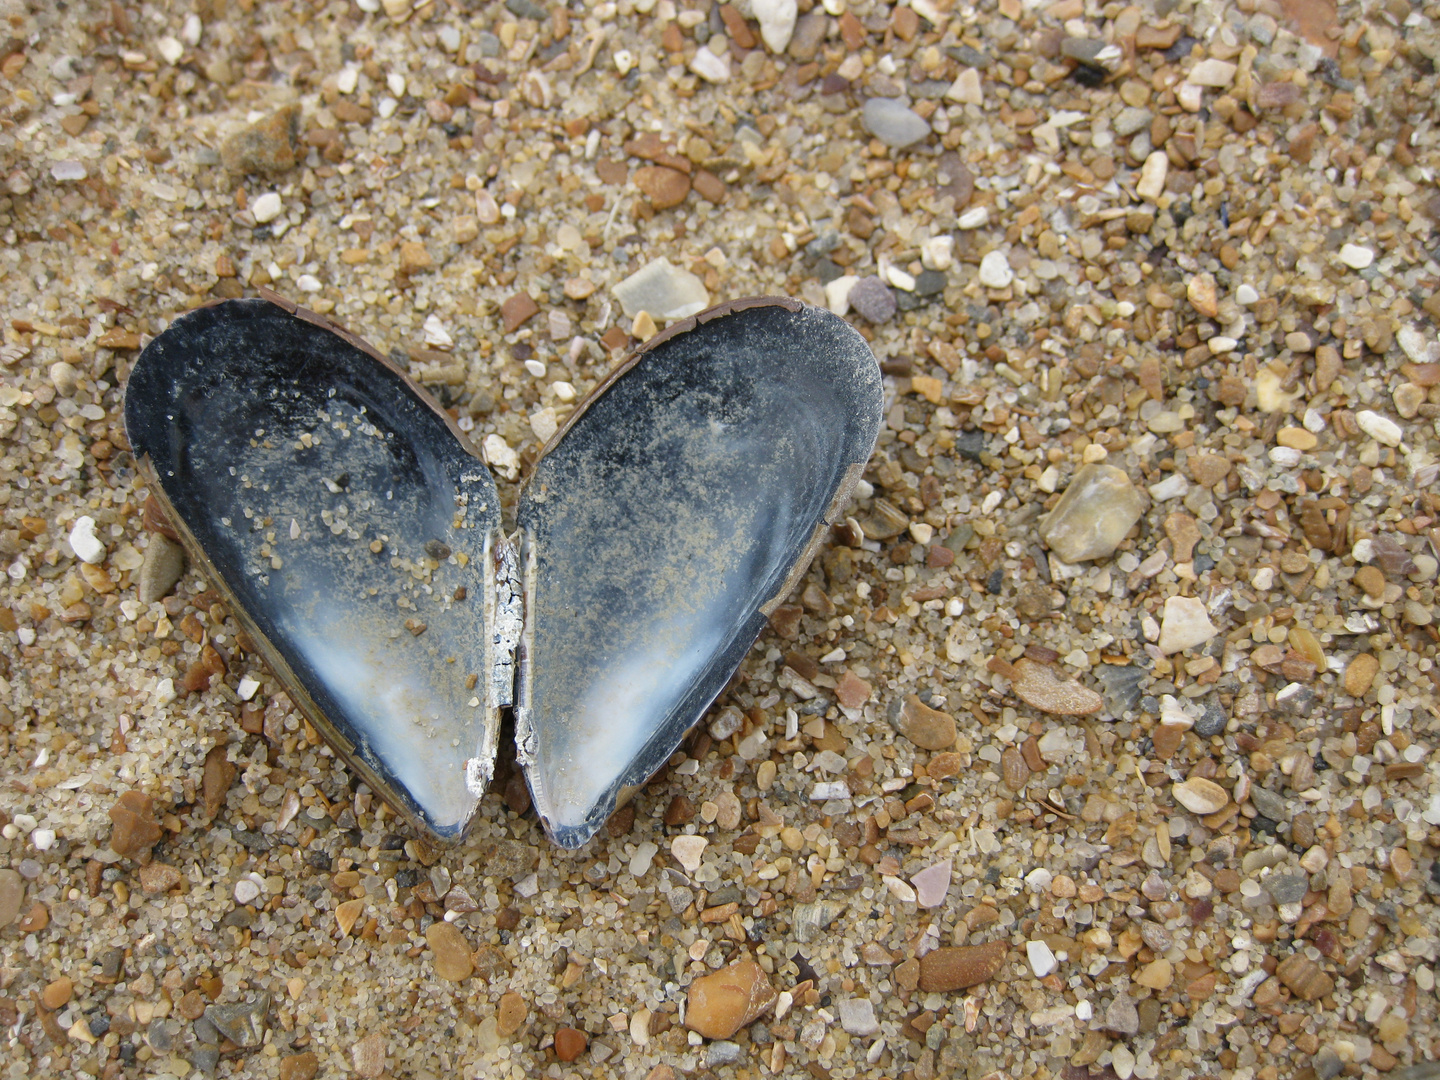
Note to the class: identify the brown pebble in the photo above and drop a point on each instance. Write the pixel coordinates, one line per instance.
(961, 966)
(517, 794)
(927, 728)
(943, 766)
(681, 811)
(58, 993)
(215, 781)
(721, 1004)
(368, 1056)
(511, 1013)
(1304, 977)
(347, 913)
(1013, 770)
(663, 186)
(515, 310)
(852, 691)
(570, 1043)
(414, 258)
(1039, 687)
(34, 920)
(1360, 674)
(270, 145)
(709, 187)
(191, 1005)
(135, 828)
(1371, 580)
(299, 1066)
(620, 822)
(157, 878)
(453, 961)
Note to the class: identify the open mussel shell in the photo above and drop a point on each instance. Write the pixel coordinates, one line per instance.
(353, 531)
(672, 514)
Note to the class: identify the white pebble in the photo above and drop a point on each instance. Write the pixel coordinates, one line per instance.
(266, 208)
(246, 689)
(192, 30)
(308, 283)
(535, 368)
(1152, 176)
(83, 541)
(435, 333)
(43, 839)
(1220, 344)
(1380, 428)
(777, 22)
(711, 68)
(247, 891)
(901, 890)
(1042, 960)
(1246, 295)
(688, 851)
(938, 253)
(973, 218)
(170, 49)
(1356, 257)
(68, 170)
(643, 857)
(348, 79)
(995, 272)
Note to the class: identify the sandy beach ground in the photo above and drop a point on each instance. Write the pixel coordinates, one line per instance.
(1099, 743)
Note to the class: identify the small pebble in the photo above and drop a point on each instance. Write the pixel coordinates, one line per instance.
(932, 884)
(857, 1016)
(266, 208)
(1185, 624)
(995, 272)
(1380, 428)
(1200, 796)
(452, 957)
(872, 299)
(1090, 520)
(1042, 959)
(1355, 256)
(719, 1005)
(893, 123)
(689, 851)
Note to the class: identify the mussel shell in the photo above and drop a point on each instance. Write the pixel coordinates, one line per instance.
(341, 514)
(676, 509)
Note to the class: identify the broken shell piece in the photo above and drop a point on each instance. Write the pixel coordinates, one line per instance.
(674, 512)
(247, 417)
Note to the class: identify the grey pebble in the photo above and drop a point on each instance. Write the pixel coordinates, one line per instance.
(873, 300)
(1287, 888)
(893, 123)
(1122, 1017)
(243, 1024)
(722, 1053)
(1268, 803)
(1326, 1063)
(1212, 721)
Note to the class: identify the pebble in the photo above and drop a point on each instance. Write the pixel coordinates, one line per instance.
(641, 860)
(663, 186)
(1200, 796)
(1122, 1017)
(709, 66)
(1156, 975)
(927, 728)
(57, 994)
(1041, 957)
(243, 1023)
(1099, 507)
(1246, 295)
(851, 691)
(1327, 1063)
(367, 1056)
(689, 851)
(12, 896)
(663, 290)
(892, 122)
(723, 1053)
(959, 967)
(1360, 675)
(1153, 174)
(1380, 428)
(453, 959)
(1185, 624)
(995, 272)
(857, 1016)
(872, 299)
(1038, 686)
(510, 1014)
(84, 543)
(719, 1005)
(777, 22)
(266, 208)
(967, 88)
(1304, 978)
(1355, 256)
(932, 884)
(1211, 72)
(270, 145)
(247, 891)
(135, 829)
(570, 1043)
(347, 914)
